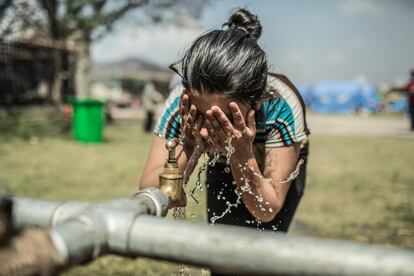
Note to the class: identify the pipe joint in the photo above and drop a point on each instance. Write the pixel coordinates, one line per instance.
(158, 198)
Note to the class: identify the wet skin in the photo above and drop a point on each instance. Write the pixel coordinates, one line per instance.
(211, 119)
(206, 127)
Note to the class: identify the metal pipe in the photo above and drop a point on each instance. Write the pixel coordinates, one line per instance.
(82, 231)
(238, 250)
(121, 227)
(43, 213)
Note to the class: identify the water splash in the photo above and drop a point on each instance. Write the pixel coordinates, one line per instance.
(229, 206)
(229, 151)
(292, 176)
(179, 213)
(198, 186)
(191, 164)
(213, 161)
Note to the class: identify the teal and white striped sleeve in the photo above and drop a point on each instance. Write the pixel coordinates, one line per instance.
(168, 125)
(285, 118)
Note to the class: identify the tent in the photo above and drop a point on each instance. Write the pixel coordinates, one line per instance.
(343, 97)
(399, 106)
(306, 93)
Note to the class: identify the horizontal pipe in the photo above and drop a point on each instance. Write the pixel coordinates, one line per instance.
(83, 232)
(32, 212)
(238, 250)
(28, 212)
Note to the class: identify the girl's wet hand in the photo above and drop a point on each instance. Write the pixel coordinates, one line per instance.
(191, 123)
(221, 129)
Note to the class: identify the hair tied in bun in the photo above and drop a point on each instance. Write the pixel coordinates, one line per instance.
(245, 21)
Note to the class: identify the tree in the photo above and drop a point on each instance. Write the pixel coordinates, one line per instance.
(84, 21)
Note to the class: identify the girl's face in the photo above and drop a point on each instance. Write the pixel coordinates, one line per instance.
(204, 102)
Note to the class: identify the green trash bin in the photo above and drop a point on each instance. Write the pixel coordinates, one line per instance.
(88, 120)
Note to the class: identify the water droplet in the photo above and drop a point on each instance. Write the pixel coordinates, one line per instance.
(218, 197)
(227, 169)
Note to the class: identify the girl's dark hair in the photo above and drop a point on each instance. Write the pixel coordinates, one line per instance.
(228, 62)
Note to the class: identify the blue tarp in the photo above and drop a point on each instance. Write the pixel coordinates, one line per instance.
(400, 105)
(306, 93)
(343, 97)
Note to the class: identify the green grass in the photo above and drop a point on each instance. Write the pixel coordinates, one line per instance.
(358, 188)
(361, 188)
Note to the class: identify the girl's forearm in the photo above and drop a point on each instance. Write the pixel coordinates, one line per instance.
(258, 194)
(182, 154)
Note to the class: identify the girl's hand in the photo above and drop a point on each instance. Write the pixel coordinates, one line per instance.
(191, 124)
(240, 132)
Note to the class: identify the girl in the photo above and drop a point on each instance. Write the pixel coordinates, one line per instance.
(250, 122)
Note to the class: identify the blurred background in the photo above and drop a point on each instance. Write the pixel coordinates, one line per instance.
(65, 62)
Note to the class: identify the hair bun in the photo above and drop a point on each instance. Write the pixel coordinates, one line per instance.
(246, 21)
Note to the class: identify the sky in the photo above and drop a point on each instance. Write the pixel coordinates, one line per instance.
(307, 40)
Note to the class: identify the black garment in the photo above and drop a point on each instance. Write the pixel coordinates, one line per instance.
(220, 184)
(221, 190)
(411, 111)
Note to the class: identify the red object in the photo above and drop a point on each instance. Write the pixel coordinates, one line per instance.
(410, 90)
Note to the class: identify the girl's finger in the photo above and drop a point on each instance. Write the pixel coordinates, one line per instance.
(238, 116)
(192, 115)
(198, 123)
(184, 103)
(210, 128)
(214, 123)
(219, 131)
(251, 121)
(223, 120)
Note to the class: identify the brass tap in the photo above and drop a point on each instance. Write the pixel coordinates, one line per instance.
(171, 180)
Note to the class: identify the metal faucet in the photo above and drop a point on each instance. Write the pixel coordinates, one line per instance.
(171, 180)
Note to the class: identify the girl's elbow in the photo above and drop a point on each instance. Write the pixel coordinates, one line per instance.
(268, 214)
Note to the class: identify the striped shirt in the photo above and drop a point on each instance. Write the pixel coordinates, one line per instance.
(279, 123)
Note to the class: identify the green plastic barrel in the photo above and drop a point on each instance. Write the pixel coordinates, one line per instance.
(88, 120)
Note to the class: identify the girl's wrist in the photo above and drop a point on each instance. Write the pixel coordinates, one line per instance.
(242, 156)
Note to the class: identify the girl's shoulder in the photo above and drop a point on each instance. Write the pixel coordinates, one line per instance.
(283, 113)
(284, 89)
(282, 94)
